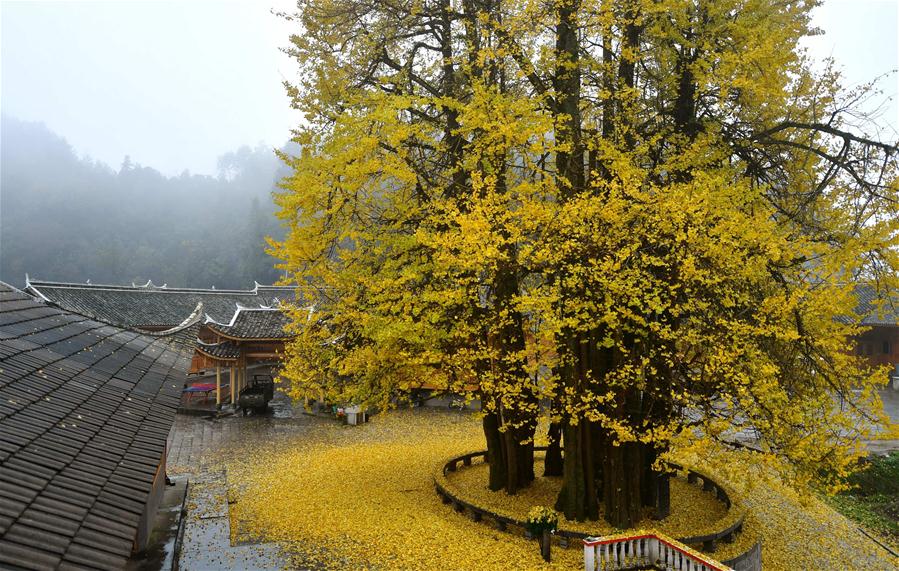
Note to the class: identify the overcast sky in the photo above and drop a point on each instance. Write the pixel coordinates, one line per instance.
(176, 84)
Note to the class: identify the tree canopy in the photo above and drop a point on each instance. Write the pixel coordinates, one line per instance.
(643, 219)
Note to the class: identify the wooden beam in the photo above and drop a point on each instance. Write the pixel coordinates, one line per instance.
(218, 385)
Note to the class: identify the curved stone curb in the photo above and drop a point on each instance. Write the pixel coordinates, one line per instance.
(502, 523)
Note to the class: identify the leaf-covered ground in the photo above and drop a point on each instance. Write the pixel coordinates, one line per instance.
(363, 497)
(692, 510)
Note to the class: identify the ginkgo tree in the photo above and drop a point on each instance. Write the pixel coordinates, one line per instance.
(642, 219)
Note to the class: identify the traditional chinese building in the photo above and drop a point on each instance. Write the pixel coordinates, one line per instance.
(880, 344)
(232, 333)
(253, 336)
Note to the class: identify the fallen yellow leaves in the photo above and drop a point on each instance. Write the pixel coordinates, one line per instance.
(693, 512)
(798, 531)
(363, 497)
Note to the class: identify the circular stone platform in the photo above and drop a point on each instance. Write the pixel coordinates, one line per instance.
(703, 514)
(693, 511)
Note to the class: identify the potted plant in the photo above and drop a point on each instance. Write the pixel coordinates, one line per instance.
(542, 522)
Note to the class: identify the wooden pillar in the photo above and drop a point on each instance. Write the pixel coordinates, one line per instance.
(218, 385)
(233, 378)
(241, 360)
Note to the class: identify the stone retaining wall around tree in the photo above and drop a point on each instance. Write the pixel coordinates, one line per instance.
(748, 561)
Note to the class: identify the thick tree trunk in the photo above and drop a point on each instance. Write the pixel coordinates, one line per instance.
(513, 462)
(621, 472)
(577, 497)
(648, 484)
(598, 438)
(571, 496)
(518, 447)
(514, 438)
(495, 456)
(567, 85)
(519, 421)
(552, 463)
(455, 143)
(526, 452)
(663, 496)
(591, 501)
(594, 454)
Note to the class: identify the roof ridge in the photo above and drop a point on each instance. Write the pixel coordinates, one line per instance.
(149, 286)
(269, 327)
(205, 344)
(240, 308)
(191, 319)
(38, 297)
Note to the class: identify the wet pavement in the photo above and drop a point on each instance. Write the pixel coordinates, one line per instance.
(160, 553)
(195, 448)
(194, 440)
(206, 544)
(890, 398)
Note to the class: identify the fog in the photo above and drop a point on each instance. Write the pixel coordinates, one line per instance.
(137, 141)
(172, 84)
(175, 86)
(67, 218)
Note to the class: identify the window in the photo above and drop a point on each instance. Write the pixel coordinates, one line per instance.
(886, 347)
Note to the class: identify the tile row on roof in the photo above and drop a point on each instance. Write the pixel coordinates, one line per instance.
(85, 410)
(876, 308)
(226, 350)
(151, 306)
(260, 323)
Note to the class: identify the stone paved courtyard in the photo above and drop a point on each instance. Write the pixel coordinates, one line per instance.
(195, 445)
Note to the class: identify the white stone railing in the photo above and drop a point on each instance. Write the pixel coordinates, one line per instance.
(651, 550)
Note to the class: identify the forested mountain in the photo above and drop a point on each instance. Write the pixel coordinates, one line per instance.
(72, 219)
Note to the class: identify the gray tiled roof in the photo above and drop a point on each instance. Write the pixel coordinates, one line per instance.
(152, 306)
(224, 350)
(184, 339)
(85, 410)
(254, 323)
(876, 309)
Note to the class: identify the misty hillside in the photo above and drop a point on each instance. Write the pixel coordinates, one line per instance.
(72, 219)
